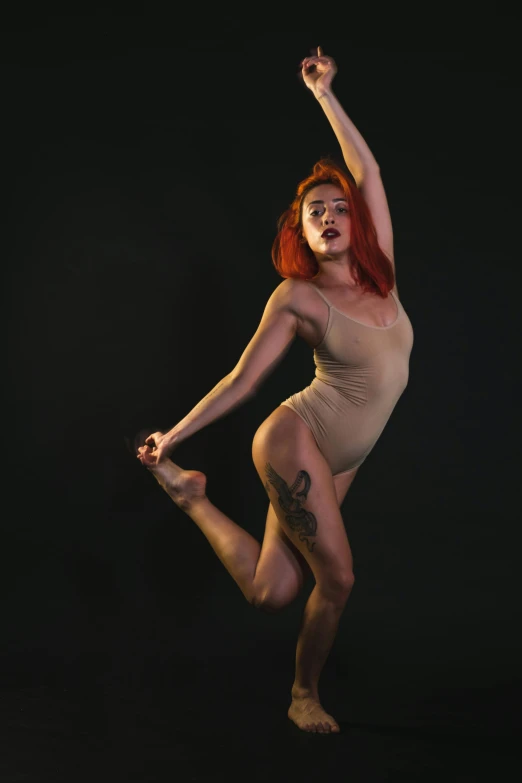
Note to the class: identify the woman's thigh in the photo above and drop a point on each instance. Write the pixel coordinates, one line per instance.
(281, 570)
(303, 493)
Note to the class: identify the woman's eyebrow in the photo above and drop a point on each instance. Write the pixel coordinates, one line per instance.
(322, 202)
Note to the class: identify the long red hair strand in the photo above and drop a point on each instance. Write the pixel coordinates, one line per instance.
(291, 254)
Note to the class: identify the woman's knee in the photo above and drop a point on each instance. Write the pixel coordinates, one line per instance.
(275, 597)
(336, 584)
(335, 588)
(277, 593)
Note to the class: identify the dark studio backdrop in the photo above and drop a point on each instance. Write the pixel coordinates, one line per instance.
(146, 173)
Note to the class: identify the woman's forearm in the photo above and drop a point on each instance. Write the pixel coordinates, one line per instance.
(226, 395)
(356, 153)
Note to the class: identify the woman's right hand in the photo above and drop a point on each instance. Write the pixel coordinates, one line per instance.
(318, 72)
(158, 446)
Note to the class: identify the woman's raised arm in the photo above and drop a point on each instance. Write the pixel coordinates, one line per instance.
(318, 72)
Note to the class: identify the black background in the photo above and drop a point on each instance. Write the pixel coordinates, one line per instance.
(145, 172)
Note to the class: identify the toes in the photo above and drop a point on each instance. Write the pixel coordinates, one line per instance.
(321, 727)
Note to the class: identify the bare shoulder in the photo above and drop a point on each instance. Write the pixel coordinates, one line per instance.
(294, 295)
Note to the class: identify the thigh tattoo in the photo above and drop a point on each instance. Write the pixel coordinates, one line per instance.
(299, 519)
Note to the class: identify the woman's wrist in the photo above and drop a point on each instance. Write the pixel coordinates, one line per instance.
(174, 436)
(323, 94)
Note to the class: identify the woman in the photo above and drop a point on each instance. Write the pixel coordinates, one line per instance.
(335, 250)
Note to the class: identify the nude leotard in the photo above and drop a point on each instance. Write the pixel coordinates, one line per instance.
(360, 373)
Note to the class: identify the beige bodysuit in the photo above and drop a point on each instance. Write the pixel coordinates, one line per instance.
(360, 373)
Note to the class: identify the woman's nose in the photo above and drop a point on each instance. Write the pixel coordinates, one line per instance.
(328, 220)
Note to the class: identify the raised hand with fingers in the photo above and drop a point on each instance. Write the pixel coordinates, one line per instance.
(318, 72)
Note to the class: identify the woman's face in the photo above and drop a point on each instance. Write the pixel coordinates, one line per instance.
(326, 221)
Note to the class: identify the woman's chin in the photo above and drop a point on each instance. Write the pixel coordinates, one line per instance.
(333, 255)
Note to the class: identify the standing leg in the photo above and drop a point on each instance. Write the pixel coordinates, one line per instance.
(321, 620)
(319, 626)
(303, 493)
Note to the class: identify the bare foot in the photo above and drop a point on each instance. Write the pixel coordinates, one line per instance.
(308, 715)
(183, 486)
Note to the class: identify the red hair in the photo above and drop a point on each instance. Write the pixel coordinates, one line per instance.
(292, 257)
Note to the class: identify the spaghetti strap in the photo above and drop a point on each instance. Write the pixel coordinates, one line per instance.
(397, 300)
(349, 317)
(320, 293)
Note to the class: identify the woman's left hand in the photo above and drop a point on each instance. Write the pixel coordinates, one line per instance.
(157, 446)
(318, 72)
